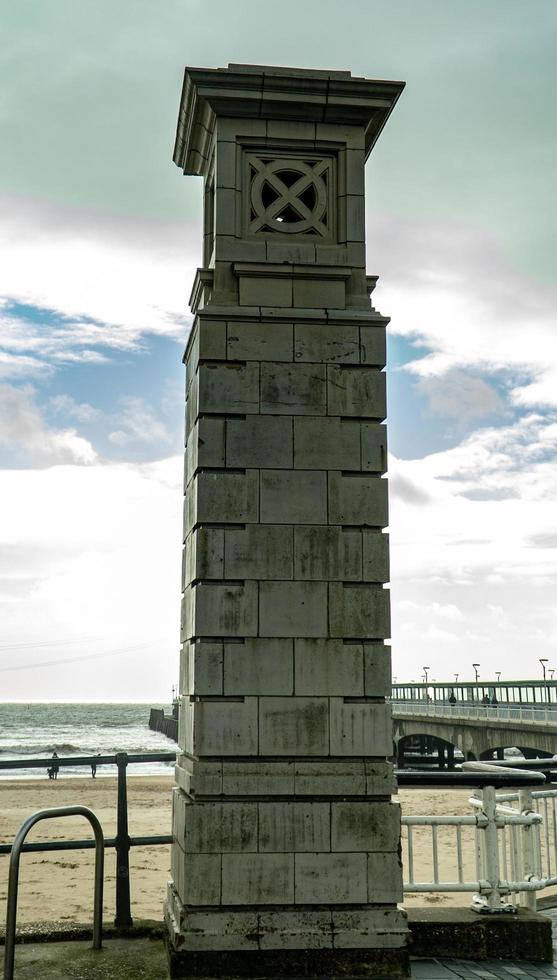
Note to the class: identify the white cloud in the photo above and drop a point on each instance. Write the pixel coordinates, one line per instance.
(449, 286)
(486, 568)
(112, 277)
(137, 423)
(66, 405)
(96, 555)
(22, 427)
(459, 395)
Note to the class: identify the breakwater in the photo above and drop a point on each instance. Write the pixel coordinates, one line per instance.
(166, 724)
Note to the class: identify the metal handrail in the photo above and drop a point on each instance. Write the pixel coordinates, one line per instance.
(13, 876)
(122, 842)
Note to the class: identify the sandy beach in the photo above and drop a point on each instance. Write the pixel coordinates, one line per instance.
(59, 885)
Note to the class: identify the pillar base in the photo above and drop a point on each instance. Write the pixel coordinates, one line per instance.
(342, 941)
(350, 964)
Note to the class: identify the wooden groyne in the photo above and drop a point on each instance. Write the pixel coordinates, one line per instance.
(167, 724)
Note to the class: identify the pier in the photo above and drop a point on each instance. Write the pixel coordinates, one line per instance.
(166, 724)
(473, 721)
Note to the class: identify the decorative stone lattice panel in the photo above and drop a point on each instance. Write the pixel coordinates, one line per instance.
(290, 195)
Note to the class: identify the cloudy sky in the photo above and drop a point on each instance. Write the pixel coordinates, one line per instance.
(99, 240)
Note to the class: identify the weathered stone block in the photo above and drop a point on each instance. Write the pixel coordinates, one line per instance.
(259, 441)
(198, 877)
(293, 389)
(377, 665)
(293, 726)
(380, 778)
(258, 778)
(294, 826)
(374, 447)
(328, 667)
(224, 609)
(359, 499)
(319, 294)
(215, 828)
(226, 215)
(292, 609)
(257, 879)
(259, 666)
(369, 928)
(356, 391)
(227, 387)
(330, 878)
(225, 497)
(202, 668)
(178, 815)
(327, 343)
(259, 341)
(205, 446)
(265, 291)
(186, 615)
(331, 778)
(351, 171)
(358, 610)
(192, 405)
(303, 929)
(298, 253)
(326, 443)
(226, 161)
(373, 345)
(375, 556)
(219, 930)
(259, 551)
(205, 549)
(222, 727)
(293, 497)
(360, 728)
(208, 341)
(384, 878)
(327, 554)
(229, 249)
(198, 776)
(365, 826)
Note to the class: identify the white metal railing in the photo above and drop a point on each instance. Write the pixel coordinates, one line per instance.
(476, 712)
(514, 847)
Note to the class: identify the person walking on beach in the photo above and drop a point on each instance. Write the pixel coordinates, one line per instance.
(94, 767)
(55, 768)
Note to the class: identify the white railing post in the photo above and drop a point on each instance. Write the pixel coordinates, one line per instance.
(491, 848)
(527, 848)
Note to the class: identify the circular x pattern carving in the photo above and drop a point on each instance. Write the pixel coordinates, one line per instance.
(289, 196)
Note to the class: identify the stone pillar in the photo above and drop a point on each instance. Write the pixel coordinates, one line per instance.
(284, 834)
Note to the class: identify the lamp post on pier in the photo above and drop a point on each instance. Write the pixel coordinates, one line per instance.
(543, 661)
(476, 666)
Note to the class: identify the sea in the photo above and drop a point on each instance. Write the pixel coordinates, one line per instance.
(30, 731)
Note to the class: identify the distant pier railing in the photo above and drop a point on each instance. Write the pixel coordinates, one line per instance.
(506, 714)
(166, 724)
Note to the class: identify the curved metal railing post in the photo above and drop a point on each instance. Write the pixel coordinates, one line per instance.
(13, 876)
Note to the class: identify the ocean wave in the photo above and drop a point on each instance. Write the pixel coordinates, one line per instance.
(41, 748)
